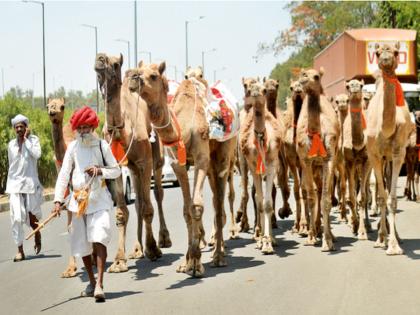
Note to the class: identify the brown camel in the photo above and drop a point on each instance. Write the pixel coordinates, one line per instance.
(367, 96)
(260, 142)
(317, 136)
(183, 128)
(291, 116)
(355, 158)
(388, 129)
(342, 108)
(127, 123)
(62, 136)
(271, 87)
(411, 161)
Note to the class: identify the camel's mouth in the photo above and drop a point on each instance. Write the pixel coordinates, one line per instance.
(99, 66)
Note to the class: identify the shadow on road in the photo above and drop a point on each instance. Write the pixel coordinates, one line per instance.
(411, 248)
(144, 267)
(234, 263)
(109, 296)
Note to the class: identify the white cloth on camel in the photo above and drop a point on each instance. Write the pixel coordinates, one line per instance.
(91, 228)
(82, 156)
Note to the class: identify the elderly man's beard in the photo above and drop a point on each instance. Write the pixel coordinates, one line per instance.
(86, 139)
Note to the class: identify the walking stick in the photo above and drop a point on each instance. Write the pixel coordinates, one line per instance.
(41, 225)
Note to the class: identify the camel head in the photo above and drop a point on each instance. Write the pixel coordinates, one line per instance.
(247, 82)
(354, 89)
(297, 90)
(271, 86)
(196, 73)
(311, 81)
(341, 103)
(149, 81)
(55, 108)
(256, 98)
(108, 70)
(417, 118)
(387, 56)
(366, 96)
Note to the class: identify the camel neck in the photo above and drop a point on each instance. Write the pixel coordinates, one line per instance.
(162, 120)
(271, 100)
(297, 106)
(113, 108)
(58, 141)
(259, 118)
(389, 104)
(314, 112)
(356, 122)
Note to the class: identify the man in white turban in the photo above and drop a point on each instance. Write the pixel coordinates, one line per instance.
(23, 186)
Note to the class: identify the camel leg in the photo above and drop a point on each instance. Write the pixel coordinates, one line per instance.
(351, 173)
(318, 182)
(121, 218)
(233, 230)
(182, 176)
(152, 251)
(304, 218)
(71, 268)
(257, 222)
(296, 191)
(310, 199)
(259, 230)
(194, 267)
(241, 214)
(382, 233)
(363, 218)
(417, 182)
(342, 202)
(397, 160)
(374, 193)
(158, 160)
(268, 240)
(282, 179)
(327, 174)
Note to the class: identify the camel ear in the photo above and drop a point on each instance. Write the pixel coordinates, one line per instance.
(258, 79)
(362, 82)
(243, 80)
(63, 100)
(377, 46)
(397, 45)
(264, 79)
(162, 67)
(140, 64)
(321, 71)
(48, 101)
(330, 99)
(128, 73)
(121, 60)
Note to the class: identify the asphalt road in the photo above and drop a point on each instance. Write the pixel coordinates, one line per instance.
(354, 279)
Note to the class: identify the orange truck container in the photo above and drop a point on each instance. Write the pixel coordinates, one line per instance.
(352, 56)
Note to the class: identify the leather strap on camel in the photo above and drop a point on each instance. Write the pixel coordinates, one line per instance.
(317, 148)
(260, 143)
(182, 152)
(399, 94)
(362, 116)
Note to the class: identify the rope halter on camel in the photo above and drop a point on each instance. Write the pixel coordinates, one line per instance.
(362, 116)
(317, 148)
(260, 143)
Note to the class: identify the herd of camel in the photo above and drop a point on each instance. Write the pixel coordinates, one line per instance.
(324, 142)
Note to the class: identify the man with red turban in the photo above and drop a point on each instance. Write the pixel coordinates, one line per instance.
(90, 200)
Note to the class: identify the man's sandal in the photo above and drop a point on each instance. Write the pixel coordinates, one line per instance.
(19, 257)
(88, 292)
(99, 294)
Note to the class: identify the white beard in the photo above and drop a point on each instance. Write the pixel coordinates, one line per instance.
(86, 139)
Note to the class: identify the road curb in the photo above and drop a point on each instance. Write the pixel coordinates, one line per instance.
(6, 206)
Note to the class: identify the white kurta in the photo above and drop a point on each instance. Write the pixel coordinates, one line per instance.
(82, 156)
(23, 185)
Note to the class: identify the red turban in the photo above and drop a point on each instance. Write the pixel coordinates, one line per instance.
(84, 116)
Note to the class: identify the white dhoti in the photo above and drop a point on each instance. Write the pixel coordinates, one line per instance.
(20, 206)
(88, 229)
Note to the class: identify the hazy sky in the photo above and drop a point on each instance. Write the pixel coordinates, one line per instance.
(234, 28)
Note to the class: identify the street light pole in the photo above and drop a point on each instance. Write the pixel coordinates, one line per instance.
(147, 52)
(2, 80)
(96, 53)
(186, 39)
(135, 33)
(43, 45)
(202, 56)
(128, 43)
